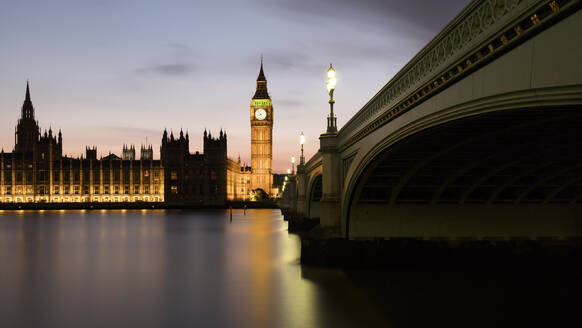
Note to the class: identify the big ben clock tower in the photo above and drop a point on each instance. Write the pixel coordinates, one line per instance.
(262, 136)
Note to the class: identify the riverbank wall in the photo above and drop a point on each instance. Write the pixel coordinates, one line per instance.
(133, 205)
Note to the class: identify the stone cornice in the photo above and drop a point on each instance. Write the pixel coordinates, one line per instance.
(313, 162)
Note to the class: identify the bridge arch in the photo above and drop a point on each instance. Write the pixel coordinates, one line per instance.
(314, 194)
(549, 132)
(531, 75)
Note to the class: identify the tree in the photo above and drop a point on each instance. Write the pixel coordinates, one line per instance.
(258, 195)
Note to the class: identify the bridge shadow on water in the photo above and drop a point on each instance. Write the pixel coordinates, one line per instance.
(420, 297)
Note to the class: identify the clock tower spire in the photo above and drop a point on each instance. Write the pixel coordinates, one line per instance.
(261, 116)
(261, 92)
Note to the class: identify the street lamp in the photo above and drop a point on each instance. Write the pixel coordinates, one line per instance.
(292, 164)
(331, 82)
(302, 141)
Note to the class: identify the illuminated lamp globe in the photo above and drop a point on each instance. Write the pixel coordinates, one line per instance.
(331, 79)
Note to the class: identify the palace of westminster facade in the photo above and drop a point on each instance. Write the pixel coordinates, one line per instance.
(36, 171)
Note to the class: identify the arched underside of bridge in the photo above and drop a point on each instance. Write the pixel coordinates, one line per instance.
(315, 194)
(495, 175)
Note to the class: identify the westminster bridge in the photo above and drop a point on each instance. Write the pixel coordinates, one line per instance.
(478, 136)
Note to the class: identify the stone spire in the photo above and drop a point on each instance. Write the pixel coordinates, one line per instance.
(261, 92)
(261, 76)
(27, 108)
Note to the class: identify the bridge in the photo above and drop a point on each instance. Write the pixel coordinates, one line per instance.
(479, 136)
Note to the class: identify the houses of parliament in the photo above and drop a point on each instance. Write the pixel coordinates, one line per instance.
(37, 172)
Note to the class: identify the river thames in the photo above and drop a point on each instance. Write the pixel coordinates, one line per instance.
(163, 268)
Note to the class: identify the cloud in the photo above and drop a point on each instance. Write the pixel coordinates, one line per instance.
(427, 15)
(168, 69)
(364, 50)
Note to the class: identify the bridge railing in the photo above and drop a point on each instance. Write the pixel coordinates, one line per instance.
(482, 31)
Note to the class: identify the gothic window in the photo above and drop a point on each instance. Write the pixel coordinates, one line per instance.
(126, 189)
(174, 190)
(56, 190)
(116, 189)
(96, 190)
(106, 190)
(76, 190)
(173, 175)
(146, 189)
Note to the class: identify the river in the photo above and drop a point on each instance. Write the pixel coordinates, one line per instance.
(164, 268)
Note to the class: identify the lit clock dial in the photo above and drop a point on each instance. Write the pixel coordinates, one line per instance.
(260, 114)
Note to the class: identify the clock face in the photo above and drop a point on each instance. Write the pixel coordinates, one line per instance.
(260, 114)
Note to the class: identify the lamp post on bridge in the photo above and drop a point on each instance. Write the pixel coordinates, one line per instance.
(330, 84)
(292, 165)
(330, 203)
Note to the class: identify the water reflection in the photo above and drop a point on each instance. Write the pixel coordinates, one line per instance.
(197, 268)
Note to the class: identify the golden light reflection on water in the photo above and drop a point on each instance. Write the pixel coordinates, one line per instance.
(260, 250)
(264, 260)
(159, 265)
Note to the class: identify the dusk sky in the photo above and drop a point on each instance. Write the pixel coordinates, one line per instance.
(112, 72)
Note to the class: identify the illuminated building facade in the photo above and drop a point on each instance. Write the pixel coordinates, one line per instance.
(37, 172)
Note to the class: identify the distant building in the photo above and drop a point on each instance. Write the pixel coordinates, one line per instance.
(207, 179)
(36, 170)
